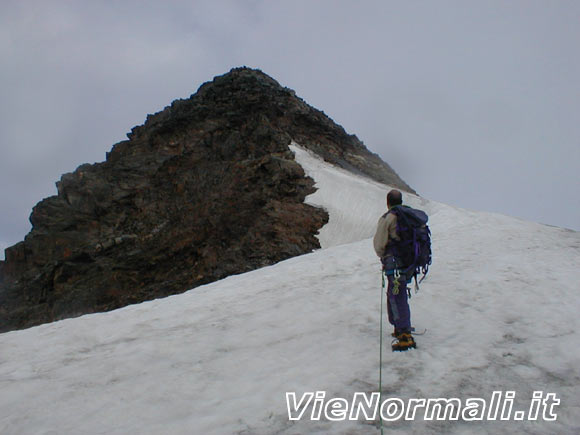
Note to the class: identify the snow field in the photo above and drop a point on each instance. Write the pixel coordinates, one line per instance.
(500, 305)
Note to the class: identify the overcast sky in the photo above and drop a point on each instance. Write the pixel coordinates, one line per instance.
(475, 104)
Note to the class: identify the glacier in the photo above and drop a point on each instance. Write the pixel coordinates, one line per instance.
(500, 305)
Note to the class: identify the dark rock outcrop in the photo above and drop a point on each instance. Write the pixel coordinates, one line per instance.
(204, 189)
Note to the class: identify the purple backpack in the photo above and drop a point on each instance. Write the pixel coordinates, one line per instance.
(413, 250)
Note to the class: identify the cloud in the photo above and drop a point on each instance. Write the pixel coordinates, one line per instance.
(472, 104)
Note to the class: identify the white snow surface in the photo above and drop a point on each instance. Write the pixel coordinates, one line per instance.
(354, 203)
(500, 305)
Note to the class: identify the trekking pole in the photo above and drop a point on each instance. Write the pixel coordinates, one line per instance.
(381, 354)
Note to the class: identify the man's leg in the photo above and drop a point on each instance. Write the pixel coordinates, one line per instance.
(398, 304)
(390, 314)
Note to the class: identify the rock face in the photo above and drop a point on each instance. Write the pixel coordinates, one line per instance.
(204, 189)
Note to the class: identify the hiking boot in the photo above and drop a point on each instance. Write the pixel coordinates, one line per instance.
(403, 342)
(398, 331)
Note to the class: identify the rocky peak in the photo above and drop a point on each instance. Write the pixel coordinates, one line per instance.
(204, 189)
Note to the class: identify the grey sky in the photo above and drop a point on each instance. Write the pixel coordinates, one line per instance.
(475, 104)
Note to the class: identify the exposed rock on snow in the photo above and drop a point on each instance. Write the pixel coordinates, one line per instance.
(204, 189)
(500, 304)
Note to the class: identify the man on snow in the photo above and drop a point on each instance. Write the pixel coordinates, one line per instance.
(385, 244)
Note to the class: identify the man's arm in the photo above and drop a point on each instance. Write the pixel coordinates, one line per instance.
(386, 232)
(381, 237)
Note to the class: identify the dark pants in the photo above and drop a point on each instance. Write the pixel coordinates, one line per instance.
(398, 304)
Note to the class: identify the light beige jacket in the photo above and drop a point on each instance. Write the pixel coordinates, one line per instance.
(386, 232)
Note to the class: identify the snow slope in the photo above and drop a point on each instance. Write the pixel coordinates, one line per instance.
(500, 305)
(354, 204)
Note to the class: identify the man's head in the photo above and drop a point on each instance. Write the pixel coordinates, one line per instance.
(394, 197)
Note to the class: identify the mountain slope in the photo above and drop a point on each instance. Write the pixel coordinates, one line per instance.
(204, 189)
(500, 305)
